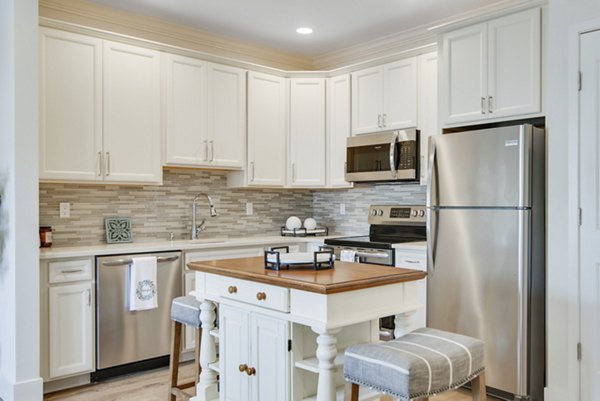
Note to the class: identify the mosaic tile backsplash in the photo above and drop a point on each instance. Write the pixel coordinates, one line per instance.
(155, 211)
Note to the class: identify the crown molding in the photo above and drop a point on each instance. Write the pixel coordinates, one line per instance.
(86, 14)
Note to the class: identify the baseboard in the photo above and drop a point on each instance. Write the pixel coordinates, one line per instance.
(69, 382)
(28, 390)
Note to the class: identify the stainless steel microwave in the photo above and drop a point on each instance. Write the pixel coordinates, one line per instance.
(385, 156)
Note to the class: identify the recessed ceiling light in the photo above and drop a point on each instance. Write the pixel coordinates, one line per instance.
(304, 30)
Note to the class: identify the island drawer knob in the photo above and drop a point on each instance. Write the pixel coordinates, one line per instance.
(243, 367)
(250, 371)
(232, 289)
(261, 296)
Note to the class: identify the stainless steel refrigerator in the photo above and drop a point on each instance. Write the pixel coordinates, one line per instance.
(486, 267)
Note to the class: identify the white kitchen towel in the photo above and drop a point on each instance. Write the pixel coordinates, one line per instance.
(143, 293)
(347, 255)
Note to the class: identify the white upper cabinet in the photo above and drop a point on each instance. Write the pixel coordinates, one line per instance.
(70, 106)
(385, 97)
(132, 109)
(492, 70)
(206, 110)
(100, 108)
(267, 133)
(338, 129)
(428, 120)
(307, 132)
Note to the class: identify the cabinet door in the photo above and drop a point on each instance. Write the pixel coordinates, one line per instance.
(186, 126)
(338, 129)
(267, 132)
(226, 115)
(131, 113)
(71, 329)
(70, 106)
(514, 64)
(400, 94)
(367, 100)
(307, 132)
(464, 74)
(427, 107)
(270, 358)
(233, 352)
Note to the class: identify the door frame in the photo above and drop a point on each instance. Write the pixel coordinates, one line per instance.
(573, 229)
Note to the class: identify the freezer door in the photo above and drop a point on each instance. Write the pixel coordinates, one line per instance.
(485, 168)
(477, 286)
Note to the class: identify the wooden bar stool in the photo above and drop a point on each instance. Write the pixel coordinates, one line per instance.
(416, 366)
(184, 310)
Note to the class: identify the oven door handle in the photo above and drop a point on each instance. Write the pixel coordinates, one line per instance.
(377, 255)
(393, 155)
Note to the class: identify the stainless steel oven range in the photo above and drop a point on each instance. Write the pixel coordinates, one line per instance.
(390, 225)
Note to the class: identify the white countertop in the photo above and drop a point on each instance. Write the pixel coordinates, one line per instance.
(165, 246)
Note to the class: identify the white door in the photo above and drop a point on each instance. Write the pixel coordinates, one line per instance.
(400, 94)
(428, 101)
(267, 155)
(186, 126)
(590, 228)
(270, 358)
(226, 115)
(307, 132)
(71, 329)
(132, 108)
(464, 74)
(234, 353)
(367, 100)
(338, 129)
(514, 64)
(70, 106)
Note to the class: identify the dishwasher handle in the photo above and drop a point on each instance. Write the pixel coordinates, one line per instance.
(159, 259)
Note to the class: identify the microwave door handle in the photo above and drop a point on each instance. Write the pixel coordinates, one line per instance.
(393, 142)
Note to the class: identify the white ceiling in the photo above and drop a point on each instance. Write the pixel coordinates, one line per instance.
(337, 24)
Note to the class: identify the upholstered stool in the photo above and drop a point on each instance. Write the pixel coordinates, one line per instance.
(416, 366)
(184, 310)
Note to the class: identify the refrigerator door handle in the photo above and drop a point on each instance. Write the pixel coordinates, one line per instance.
(430, 244)
(430, 166)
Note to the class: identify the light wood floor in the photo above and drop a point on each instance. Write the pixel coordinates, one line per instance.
(152, 386)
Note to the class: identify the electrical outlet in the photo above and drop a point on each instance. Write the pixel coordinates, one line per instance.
(249, 209)
(342, 208)
(65, 210)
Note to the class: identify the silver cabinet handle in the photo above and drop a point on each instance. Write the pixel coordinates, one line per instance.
(251, 171)
(100, 167)
(71, 271)
(393, 154)
(212, 151)
(482, 105)
(414, 262)
(383, 120)
(379, 120)
(491, 104)
(293, 172)
(119, 262)
(89, 300)
(205, 151)
(107, 164)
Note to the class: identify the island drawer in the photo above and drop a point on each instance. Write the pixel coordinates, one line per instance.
(259, 294)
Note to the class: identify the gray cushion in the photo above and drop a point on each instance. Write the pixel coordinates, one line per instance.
(186, 310)
(419, 364)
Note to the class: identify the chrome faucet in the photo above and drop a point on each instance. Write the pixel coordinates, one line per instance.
(213, 212)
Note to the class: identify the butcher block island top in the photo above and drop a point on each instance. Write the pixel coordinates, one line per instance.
(345, 276)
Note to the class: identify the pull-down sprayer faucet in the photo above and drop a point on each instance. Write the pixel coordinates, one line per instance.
(213, 212)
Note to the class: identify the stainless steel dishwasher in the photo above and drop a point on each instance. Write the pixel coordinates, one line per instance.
(127, 341)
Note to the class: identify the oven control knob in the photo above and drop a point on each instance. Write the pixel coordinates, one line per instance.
(415, 213)
(421, 213)
(374, 212)
(380, 212)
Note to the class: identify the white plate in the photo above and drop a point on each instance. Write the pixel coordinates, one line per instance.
(298, 257)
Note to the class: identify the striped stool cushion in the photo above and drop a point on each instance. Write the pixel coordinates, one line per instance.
(186, 310)
(419, 364)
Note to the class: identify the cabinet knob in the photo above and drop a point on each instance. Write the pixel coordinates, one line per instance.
(261, 296)
(250, 371)
(243, 367)
(232, 289)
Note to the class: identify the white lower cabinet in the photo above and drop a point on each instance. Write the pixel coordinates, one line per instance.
(255, 363)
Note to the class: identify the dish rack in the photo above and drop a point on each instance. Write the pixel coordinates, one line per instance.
(303, 232)
(321, 260)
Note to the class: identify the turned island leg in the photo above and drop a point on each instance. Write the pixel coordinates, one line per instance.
(206, 389)
(326, 353)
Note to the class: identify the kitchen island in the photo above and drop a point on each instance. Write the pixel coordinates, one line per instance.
(281, 333)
